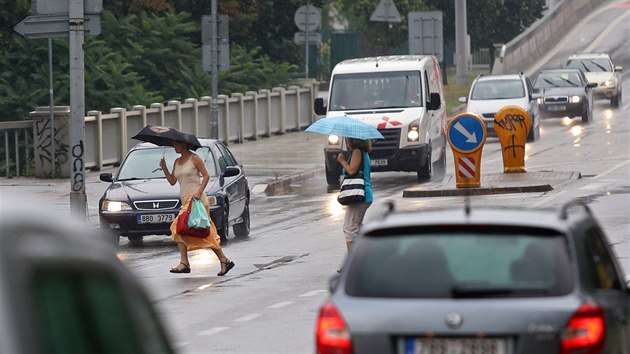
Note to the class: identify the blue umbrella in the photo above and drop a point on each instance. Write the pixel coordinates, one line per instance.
(346, 127)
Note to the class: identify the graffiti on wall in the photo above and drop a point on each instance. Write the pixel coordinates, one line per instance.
(47, 145)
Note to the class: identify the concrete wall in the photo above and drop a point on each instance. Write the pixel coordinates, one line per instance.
(538, 39)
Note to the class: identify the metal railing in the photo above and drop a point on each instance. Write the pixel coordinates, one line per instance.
(14, 161)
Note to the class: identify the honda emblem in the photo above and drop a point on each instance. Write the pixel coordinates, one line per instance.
(156, 205)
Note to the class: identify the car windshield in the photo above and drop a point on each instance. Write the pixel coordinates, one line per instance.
(562, 79)
(497, 90)
(376, 90)
(145, 163)
(590, 65)
(460, 263)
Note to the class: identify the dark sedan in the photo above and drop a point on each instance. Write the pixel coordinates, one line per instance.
(564, 93)
(141, 202)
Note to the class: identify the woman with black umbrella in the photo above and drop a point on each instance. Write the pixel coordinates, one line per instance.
(186, 170)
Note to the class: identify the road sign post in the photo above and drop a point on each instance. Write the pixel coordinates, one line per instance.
(512, 124)
(307, 18)
(466, 134)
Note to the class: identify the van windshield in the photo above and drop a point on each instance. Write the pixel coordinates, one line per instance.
(393, 89)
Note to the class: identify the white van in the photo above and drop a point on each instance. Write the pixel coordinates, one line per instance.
(402, 97)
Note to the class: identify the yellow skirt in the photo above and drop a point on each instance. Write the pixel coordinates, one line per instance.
(192, 243)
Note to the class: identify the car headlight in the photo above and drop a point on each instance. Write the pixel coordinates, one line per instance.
(540, 100)
(212, 200)
(609, 83)
(333, 139)
(574, 99)
(412, 133)
(114, 207)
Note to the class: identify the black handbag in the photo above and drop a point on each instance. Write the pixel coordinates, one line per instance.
(352, 189)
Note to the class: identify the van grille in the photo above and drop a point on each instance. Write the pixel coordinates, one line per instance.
(385, 148)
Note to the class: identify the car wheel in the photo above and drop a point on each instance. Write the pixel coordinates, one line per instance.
(614, 101)
(224, 230)
(242, 229)
(586, 115)
(439, 168)
(424, 171)
(332, 175)
(135, 240)
(534, 134)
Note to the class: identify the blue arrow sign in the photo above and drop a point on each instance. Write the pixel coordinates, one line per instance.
(466, 133)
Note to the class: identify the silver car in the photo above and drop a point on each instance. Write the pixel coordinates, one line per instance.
(479, 280)
(599, 69)
(489, 93)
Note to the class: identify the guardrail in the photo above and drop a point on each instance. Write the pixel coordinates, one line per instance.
(242, 117)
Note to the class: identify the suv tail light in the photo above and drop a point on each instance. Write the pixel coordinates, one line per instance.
(332, 333)
(585, 331)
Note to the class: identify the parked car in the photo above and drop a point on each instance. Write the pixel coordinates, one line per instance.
(489, 93)
(564, 93)
(599, 68)
(479, 280)
(64, 290)
(140, 201)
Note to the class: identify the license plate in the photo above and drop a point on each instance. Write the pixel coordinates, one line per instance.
(378, 162)
(452, 346)
(557, 108)
(490, 125)
(156, 218)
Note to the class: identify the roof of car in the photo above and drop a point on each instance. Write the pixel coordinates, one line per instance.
(499, 77)
(560, 70)
(548, 218)
(145, 145)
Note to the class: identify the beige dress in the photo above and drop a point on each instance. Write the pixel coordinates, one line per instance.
(189, 178)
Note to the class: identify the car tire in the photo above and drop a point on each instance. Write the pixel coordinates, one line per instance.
(425, 170)
(439, 168)
(135, 240)
(241, 229)
(587, 114)
(614, 101)
(534, 134)
(224, 230)
(332, 176)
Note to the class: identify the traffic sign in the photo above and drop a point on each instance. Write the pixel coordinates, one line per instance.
(426, 33)
(314, 15)
(466, 133)
(386, 11)
(61, 7)
(313, 37)
(51, 26)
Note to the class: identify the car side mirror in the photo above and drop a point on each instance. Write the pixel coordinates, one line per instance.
(434, 101)
(231, 171)
(319, 107)
(333, 283)
(618, 68)
(535, 90)
(591, 84)
(106, 177)
(462, 99)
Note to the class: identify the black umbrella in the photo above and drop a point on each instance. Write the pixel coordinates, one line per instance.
(165, 136)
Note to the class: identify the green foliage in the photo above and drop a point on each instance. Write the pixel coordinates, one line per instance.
(137, 59)
(13, 11)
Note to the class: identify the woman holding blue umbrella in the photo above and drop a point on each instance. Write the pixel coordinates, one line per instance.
(359, 161)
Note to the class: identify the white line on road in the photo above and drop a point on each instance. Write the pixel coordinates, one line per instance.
(604, 34)
(249, 317)
(280, 304)
(212, 331)
(313, 293)
(204, 286)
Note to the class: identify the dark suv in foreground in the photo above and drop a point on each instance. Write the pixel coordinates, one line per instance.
(479, 280)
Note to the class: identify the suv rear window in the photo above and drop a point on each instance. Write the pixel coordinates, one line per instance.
(460, 263)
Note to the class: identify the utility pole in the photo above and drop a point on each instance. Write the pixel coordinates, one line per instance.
(214, 104)
(78, 199)
(460, 42)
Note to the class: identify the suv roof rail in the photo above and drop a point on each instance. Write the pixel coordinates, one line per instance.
(572, 203)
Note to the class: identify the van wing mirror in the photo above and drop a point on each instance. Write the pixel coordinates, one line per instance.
(434, 101)
(319, 107)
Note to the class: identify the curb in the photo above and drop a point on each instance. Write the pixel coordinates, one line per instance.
(283, 184)
(475, 191)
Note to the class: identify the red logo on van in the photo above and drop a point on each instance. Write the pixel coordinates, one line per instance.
(386, 121)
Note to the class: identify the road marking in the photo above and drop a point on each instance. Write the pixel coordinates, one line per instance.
(313, 293)
(249, 317)
(605, 33)
(603, 174)
(280, 304)
(204, 286)
(212, 331)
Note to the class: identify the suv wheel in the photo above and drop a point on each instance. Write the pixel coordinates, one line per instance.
(424, 171)
(614, 101)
